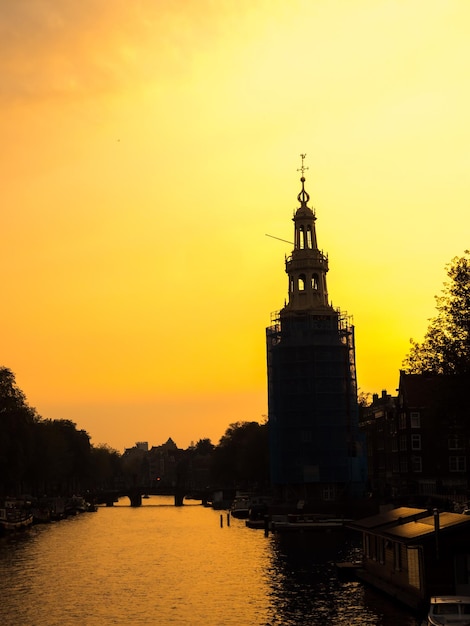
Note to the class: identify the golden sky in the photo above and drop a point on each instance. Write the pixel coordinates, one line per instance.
(149, 146)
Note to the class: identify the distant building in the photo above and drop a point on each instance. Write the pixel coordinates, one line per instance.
(315, 450)
(155, 468)
(418, 442)
(163, 462)
(379, 424)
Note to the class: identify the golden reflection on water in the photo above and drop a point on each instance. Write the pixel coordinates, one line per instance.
(161, 564)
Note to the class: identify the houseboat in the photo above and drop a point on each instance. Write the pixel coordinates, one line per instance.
(414, 554)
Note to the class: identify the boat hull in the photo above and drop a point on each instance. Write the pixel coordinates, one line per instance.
(15, 520)
(453, 610)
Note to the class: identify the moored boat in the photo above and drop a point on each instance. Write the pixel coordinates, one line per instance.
(240, 507)
(41, 514)
(295, 523)
(14, 518)
(247, 505)
(444, 610)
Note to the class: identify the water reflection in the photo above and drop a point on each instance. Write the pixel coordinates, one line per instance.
(167, 565)
(306, 589)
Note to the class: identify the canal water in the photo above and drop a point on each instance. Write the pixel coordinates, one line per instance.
(160, 564)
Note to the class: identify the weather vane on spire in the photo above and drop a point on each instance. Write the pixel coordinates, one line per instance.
(302, 168)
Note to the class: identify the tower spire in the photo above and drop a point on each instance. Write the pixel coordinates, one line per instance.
(303, 196)
(302, 168)
(307, 266)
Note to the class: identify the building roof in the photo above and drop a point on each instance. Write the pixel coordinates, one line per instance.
(425, 525)
(393, 516)
(407, 523)
(434, 390)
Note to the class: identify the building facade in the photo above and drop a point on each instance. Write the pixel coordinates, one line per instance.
(418, 443)
(315, 451)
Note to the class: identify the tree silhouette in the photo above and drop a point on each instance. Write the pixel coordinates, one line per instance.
(42, 456)
(17, 420)
(241, 458)
(445, 348)
(204, 446)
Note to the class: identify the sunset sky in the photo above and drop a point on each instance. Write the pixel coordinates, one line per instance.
(148, 147)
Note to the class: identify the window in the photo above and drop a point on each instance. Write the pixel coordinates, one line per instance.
(457, 464)
(373, 547)
(301, 282)
(309, 237)
(415, 419)
(402, 421)
(311, 473)
(380, 550)
(329, 492)
(414, 574)
(403, 465)
(416, 442)
(462, 572)
(456, 442)
(416, 464)
(403, 442)
(397, 557)
(306, 436)
(446, 608)
(315, 281)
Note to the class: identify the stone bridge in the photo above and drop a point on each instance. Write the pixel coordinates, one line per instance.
(136, 493)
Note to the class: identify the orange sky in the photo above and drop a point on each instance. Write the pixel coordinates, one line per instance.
(149, 146)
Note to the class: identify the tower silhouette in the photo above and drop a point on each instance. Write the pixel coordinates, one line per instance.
(315, 450)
